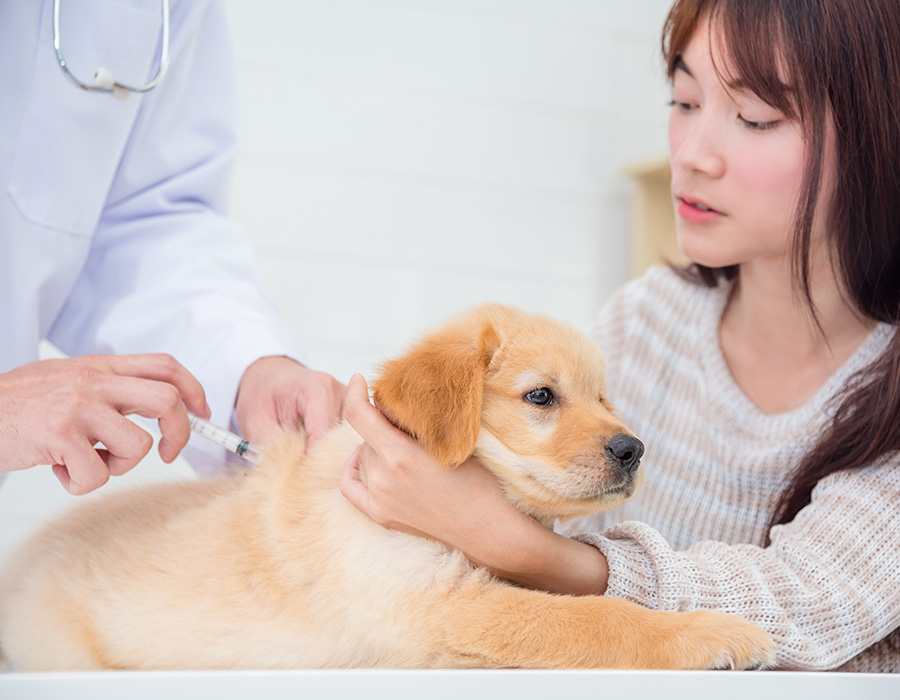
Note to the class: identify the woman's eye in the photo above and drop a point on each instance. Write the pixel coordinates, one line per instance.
(681, 106)
(540, 397)
(759, 126)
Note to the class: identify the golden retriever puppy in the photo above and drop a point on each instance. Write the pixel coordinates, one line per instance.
(274, 569)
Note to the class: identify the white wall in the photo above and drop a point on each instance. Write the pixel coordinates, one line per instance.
(404, 159)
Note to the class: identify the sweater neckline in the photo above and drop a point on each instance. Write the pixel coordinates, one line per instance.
(728, 401)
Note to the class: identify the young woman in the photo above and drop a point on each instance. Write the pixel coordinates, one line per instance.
(764, 380)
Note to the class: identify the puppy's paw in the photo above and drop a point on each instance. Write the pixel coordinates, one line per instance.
(712, 640)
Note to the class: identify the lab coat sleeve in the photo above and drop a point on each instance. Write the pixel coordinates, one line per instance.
(167, 270)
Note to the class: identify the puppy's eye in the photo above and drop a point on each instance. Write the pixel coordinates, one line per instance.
(540, 397)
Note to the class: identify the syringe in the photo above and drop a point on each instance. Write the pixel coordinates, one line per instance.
(224, 438)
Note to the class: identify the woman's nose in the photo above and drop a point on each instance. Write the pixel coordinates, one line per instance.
(698, 150)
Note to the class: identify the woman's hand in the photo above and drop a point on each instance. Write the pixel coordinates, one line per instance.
(278, 391)
(394, 482)
(55, 411)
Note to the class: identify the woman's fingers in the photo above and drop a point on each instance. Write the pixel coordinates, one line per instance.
(367, 420)
(352, 486)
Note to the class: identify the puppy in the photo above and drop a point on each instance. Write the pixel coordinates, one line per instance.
(276, 570)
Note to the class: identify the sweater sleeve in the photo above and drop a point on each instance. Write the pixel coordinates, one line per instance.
(827, 588)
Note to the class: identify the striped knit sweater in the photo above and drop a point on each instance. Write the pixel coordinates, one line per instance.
(828, 587)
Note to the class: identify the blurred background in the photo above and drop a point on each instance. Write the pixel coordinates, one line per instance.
(404, 159)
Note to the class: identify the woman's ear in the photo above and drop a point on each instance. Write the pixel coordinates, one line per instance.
(434, 392)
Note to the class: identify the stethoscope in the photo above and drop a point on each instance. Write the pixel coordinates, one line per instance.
(103, 80)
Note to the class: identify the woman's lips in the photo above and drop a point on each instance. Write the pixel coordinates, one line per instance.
(696, 211)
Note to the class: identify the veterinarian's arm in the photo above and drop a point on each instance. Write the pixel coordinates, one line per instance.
(394, 482)
(168, 270)
(54, 412)
(278, 391)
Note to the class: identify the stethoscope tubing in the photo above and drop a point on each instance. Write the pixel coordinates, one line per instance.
(114, 86)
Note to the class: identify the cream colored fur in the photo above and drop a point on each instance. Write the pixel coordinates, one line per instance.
(275, 569)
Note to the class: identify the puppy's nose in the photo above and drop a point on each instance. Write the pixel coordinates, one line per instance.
(626, 451)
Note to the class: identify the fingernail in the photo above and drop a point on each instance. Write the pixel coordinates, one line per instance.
(163, 449)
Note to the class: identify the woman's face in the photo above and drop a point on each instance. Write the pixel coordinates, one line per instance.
(737, 165)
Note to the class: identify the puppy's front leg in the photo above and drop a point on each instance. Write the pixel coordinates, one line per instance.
(502, 626)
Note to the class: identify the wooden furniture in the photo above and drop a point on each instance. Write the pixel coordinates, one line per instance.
(652, 216)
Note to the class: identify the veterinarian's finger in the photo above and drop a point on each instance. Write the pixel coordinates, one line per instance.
(126, 443)
(154, 399)
(62, 475)
(322, 413)
(164, 368)
(82, 470)
(366, 419)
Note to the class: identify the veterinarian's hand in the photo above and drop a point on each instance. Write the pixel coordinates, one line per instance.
(280, 392)
(55, 411)
(396, 484)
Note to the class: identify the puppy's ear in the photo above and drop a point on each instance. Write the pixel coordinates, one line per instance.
(434, 392)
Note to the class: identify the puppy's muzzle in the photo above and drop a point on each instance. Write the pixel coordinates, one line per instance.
(625, 452)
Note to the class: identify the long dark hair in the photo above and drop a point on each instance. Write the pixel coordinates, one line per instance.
(842, 60)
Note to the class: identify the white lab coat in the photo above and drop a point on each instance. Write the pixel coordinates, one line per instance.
(113, 237)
